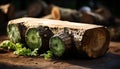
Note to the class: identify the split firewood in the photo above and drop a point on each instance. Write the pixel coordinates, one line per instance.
(91, 40)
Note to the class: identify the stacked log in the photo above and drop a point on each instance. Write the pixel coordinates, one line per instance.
(38, 9)
(90, 40)
(59, 13)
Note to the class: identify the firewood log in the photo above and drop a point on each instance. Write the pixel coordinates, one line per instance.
(59, 13)
(90, 40)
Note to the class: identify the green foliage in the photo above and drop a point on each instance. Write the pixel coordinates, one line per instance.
(26, 52)
(48, 55)
(7, 44)
(19, 49)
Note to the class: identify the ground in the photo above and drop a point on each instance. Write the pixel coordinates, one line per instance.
(111, 60)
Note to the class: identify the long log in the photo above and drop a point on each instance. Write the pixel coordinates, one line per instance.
(59, 13)
(91, 40)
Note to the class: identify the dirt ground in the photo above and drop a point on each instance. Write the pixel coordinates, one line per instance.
(111, 60)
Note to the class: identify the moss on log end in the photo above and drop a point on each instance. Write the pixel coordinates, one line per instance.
(14, 33)
(38, 37)
(33, 39)
(57, 46)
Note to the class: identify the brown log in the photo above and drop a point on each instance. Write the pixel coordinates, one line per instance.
(92, 43)
(39, 9)
(91, 18)
(90, 40)
(104, 12)
(59, 13)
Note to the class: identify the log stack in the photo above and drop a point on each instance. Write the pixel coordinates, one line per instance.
(89, 40)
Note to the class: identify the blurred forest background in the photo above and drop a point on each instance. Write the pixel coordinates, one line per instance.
(109, 16)
(112, 5)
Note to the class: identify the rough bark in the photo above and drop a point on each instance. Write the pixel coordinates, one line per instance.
(34, 34)
(90, 40)
(61, 44)
(91, 43)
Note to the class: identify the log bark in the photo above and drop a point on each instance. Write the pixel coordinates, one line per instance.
(90, 40)
(61, 44)
(91, 43)
(59, 13)
(34, 34)
(39, 9)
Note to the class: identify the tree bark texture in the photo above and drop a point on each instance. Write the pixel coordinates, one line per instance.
(90, 40)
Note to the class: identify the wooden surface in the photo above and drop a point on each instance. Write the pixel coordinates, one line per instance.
(111, 60)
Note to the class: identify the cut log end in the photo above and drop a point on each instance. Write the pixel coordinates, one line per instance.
(95, 44)
(13, 33)
(57, 46)
(33, 39)
(56, 13)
